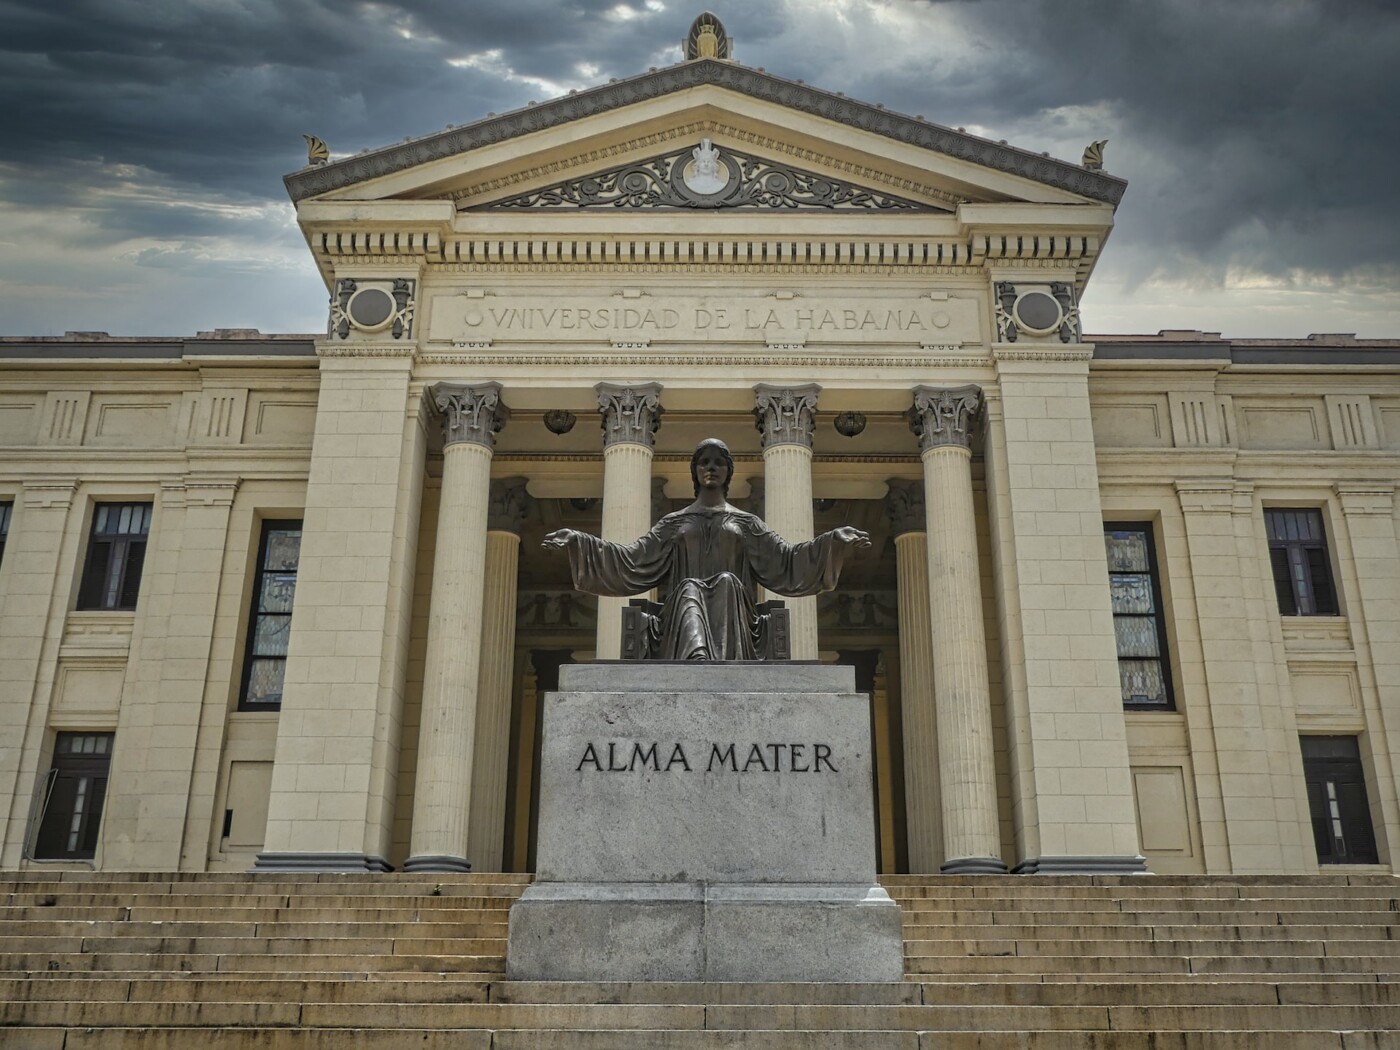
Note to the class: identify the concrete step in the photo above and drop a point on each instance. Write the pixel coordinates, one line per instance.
(17, 930)
(1378, 968)
(394, 988)
(12, 963)
(726, 1017)
(914, 931)
(86, 898)
(525, 1039)
(1116, 918)
(280, 946)
(432, 911)
(1111, 900)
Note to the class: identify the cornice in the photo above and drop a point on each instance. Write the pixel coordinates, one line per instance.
(706, 358)
(326, 178)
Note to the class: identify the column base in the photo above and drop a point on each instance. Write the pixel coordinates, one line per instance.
(431, 862)
(1103, 865)
(267, 863)
(973, 866)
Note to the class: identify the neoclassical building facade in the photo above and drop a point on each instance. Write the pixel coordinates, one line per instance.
(1133, 602)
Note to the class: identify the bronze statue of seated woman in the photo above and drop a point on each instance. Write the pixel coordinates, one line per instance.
(708, 560)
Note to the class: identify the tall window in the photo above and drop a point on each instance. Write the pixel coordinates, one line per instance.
(270, 623)
(1341, 816)
(116, 553)
(1143, 669)
(5, 510)
(73, 797)
(1302, 569)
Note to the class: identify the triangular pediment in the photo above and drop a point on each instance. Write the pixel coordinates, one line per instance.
(835, 152)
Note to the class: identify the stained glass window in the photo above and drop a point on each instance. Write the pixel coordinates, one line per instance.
(1143, 669)
(270, 624)
(5, 510)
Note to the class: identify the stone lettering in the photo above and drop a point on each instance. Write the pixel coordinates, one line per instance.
(589, 755)
(795, 751)
(638, 755)
(613, 767)
(634, 756)
(678, 755)
(756, 755)
(716, 755)
(543, 318)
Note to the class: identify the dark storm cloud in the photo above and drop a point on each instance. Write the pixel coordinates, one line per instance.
(1255, 134)
(1265, 127)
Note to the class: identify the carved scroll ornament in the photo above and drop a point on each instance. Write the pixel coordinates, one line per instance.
(472, 414)
(785, 415)
(945, 417)
(707, 176)
(631, 414)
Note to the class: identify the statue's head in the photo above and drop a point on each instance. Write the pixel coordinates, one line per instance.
(713, 445)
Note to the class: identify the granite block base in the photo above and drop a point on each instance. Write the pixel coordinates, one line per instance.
(706, 822)
(689, 932)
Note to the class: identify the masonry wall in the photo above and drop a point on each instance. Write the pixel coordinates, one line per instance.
(218, 444)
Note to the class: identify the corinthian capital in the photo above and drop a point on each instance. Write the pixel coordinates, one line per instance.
(471, 414)
(631, 414)
(904, 506)
(507, 505)
(945, 416)
(785, 415)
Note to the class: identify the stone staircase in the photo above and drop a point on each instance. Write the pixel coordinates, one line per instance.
(218, 961)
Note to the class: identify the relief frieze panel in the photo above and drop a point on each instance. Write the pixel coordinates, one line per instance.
(466, 320)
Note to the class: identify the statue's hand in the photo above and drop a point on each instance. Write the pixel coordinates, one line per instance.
(558, 540)
(852, 537)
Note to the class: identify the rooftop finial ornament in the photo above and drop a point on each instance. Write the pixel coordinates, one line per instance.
(317, 152)
(707, 39)
(1093, 155)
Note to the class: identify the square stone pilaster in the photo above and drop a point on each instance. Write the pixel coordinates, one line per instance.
(1072, 785)
(144, 820)
(35, 554)
(335, 771)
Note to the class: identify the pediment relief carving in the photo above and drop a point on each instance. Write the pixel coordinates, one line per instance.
(709, 165)
(707, 176)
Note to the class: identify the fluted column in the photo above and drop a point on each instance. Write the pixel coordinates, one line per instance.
(904, 505)
(631, 416)
(505, 515)
(447, 735)
(944, 421)
(786, 417)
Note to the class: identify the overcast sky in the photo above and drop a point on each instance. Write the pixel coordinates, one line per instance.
(142, 142)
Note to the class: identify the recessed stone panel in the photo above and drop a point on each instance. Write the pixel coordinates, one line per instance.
(19, 421)
(1131, 424)
(146, 422)
(1298, 423)
(274, 420)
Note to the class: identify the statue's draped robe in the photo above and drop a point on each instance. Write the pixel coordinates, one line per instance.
(707, 562)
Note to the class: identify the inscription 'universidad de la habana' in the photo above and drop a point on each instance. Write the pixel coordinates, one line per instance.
(629, 756)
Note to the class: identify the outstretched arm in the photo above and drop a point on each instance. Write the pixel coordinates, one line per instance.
(798, 569)
(611, 569)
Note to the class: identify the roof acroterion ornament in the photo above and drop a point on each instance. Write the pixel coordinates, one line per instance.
(707, 39)
(317, 152)
(1093, 155)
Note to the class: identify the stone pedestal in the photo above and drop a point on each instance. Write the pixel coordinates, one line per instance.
(705, 822)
